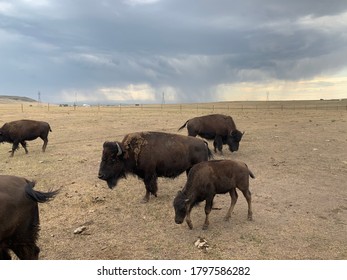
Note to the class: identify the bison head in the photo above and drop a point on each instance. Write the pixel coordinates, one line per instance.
(234, 140)
(112, 166)
(180, 205)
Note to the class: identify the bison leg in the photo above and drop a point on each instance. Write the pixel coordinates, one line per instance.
(151, 187)
(248, 196)
(14, 147)
(208, 208)
(218, 144)
(24, 145)
(26, 251)
(45, 142)
(233, 196)
(188, 220)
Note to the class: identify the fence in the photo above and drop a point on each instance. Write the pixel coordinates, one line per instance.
(335, 105)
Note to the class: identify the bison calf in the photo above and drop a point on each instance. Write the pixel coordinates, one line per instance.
(205, 180)
(24, 130)
(19, 217)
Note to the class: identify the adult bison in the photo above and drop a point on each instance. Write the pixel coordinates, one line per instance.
(220, 128)
(19, 217)
(16, 132)
(205, 180)
(150, 155)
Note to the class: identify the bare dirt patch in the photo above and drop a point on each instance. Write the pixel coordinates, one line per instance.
(299, 158)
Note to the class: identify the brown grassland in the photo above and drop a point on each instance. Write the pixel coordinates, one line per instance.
(297, 151)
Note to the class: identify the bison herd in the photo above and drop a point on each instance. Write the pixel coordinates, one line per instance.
(148, 155)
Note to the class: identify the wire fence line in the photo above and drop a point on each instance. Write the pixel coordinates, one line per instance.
(334, 105)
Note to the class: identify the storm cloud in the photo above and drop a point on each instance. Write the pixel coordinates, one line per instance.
(193, 51)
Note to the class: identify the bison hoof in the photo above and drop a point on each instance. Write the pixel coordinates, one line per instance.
(205, 227)
(227, 218)
(250, 218)
(144, 200)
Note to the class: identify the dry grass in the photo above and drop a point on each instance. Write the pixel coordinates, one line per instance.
(299, 158)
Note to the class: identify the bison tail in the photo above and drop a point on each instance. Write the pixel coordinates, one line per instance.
(183, 125)
(250, 172)
(50, 128)
(37, 195)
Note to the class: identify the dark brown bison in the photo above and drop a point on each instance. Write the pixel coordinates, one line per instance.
(205, 180)
(19, 217)
(150, 155)
(24, 130)
(220, 128)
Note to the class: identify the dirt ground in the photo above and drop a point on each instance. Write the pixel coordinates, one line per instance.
(299, 158)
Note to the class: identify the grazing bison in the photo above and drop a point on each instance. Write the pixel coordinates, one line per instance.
(24, 130)
(150, 155)
(220, 128)
(205, 180)
(19, 217)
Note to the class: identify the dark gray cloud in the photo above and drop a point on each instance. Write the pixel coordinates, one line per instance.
(185, 48)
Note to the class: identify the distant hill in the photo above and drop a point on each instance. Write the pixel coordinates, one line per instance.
(11, 99)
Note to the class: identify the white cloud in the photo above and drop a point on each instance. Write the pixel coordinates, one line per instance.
(92, 58)
(131, 93)
(36, 3)
(325, 23)
(6, 8)
(319, 87)
(140, 2)
(140, 92)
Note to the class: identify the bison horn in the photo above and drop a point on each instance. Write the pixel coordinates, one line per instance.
(119, 149)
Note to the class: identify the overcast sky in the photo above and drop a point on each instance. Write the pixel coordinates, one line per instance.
(137, 51)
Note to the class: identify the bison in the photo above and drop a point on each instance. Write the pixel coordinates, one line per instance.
(150, 155)
(19, 217)
(205, 180)
(16, 132)
(220, 128)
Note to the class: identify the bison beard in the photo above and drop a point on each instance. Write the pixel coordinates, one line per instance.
(113, 181)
